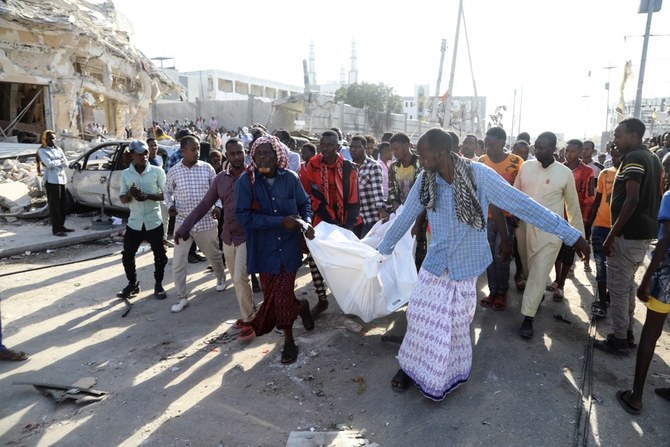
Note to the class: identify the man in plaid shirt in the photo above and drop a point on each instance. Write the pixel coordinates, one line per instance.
(370, 193)
(186, 185)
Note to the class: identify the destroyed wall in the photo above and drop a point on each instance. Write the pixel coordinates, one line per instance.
(77, 50)
(229, 114)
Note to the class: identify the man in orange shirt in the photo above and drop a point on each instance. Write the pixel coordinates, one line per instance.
(507, 165)
(600, 221)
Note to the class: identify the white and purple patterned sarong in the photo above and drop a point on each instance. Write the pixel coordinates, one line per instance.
(437, 351)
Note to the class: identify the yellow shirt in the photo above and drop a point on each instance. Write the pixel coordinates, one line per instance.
(605, 183)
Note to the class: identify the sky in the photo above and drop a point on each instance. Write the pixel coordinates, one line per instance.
(553, 53)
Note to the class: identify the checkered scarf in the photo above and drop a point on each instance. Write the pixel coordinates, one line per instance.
(468, 209)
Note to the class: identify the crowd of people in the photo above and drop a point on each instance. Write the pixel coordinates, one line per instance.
(473, 207)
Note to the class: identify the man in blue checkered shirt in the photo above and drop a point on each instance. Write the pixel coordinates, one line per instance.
(370, 193)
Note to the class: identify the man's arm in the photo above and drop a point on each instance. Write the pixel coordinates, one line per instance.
(572, 208)
(210, 198)
(594, 209)
(627, 209)
(48, 162)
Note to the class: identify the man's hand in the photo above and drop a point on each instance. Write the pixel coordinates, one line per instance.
(216, 213)
(309, 232)
(291, 223)
(172, 211)
(383, 214)
(582, 248)
(178, 236)
(134, 191)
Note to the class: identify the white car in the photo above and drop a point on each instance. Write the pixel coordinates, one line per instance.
(95, 176)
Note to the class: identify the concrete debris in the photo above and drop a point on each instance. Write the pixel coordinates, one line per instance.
(348, 438)
(14, 196)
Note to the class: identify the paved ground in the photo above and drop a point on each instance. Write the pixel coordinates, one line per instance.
(183, 379)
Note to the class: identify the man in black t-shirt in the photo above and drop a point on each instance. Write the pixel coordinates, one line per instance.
(636, 196)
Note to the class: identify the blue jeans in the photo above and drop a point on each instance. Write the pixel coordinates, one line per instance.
(598, 236)
(498, 272)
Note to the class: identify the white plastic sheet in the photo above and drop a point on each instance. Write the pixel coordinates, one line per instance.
(364, 282)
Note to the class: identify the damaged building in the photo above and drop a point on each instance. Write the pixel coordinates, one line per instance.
(67, 64)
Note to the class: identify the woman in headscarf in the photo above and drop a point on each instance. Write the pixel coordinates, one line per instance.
(273, 208)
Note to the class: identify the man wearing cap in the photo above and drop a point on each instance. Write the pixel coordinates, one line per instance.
(142, 189)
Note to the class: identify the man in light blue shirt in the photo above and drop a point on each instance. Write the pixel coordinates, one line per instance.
(436, 353)
(142, 186)
(54, 161)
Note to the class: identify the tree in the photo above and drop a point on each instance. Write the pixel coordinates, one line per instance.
(376, 97)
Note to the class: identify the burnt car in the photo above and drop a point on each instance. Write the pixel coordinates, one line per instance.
(94, 178)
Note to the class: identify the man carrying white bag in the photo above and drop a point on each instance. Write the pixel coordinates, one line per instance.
(364, 283)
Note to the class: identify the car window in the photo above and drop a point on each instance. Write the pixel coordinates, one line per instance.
(100, 160)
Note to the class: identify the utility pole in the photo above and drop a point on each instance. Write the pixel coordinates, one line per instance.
(652, 5)
(447, 105)
(607, 87)
(436, 101)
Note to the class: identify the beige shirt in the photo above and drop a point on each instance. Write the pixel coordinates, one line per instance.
(552, 187)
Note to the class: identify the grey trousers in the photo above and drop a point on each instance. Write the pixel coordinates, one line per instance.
(621, 268)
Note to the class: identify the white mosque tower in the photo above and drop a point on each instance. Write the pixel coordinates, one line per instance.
(353, 71)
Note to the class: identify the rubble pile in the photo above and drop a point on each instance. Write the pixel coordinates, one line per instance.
(20, 187)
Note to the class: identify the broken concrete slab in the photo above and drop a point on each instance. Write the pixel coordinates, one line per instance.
(14, 195)
(80, 392)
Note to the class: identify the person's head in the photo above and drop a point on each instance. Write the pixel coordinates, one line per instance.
(291, 143)
(357, 148)
(190, 149)
(307, 151)
(385, 152)
(602, 157)
(183, 133)
(159, 132)
(523, 136)
(545, 146)
(665, 139)
(386, 137)
(269, 155)
(48, 138)
(153, 147)
(521, 149)
(434, 148)
(573, 150)
(140, 153)
(337, 130)
(400, 145)
(495, 138)
(216, 159)
(283, 135)
(370, 144)
(329, 146)
(235, 153)
(588, 150)
(454, 140)
(629, 133)
(469, 146)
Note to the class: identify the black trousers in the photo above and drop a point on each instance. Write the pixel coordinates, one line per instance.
(132, 241)
(57, 206)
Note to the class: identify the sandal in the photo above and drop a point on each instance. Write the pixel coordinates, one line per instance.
(289, 354)
(247, 333)
(13, 356)
(520, 284)
(598, 311)
(624, 404)
(306, 316)
(500, 303)
(487, 301)
(401, 382)
(558, 294)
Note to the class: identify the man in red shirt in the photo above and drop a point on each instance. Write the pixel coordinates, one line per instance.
(332, 184)
(585, 184)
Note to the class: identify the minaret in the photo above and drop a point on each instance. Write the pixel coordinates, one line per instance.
(312, 64)
(342, 75)
(353, 71)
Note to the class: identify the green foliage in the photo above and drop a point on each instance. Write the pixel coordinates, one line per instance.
(377, 97)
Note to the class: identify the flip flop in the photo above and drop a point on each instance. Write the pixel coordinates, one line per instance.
(289, 355)
(625, 405)
(520, 284)
(400, 382)
(500, 303)
(13, 356)
(487, 301)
